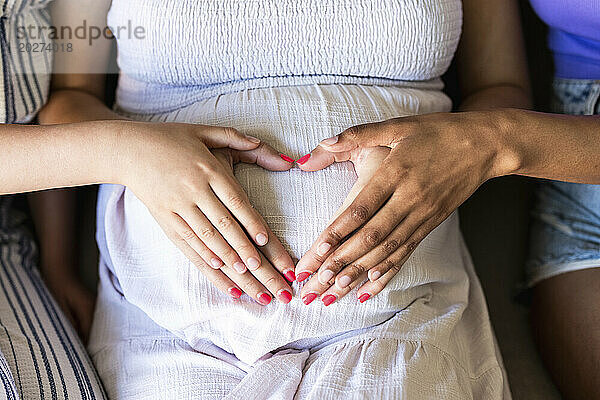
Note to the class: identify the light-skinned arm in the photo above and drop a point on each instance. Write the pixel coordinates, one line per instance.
(171, 169)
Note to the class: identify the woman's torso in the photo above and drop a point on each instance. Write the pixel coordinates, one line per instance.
(194, 49)
(236, 48)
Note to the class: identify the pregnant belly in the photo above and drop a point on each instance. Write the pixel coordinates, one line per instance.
(297, 205)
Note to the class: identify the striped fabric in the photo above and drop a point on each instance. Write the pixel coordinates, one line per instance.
(40, 354)
(42, 358)
(26, 64)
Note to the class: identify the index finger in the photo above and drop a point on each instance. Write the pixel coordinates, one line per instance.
(363, 207)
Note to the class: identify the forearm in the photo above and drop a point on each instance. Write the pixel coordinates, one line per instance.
(500, 96)
(53, 156)
(73, 105)
(551, 146)
(43, 157)
(53, 215)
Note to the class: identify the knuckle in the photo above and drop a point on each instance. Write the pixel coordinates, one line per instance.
(388, 264)
(224, 222)
(429, 205)
(193, 186)
(236, 202)
(230, 132)
(246, 248)
(411, 246)
(360, 213)
(318, 258)
(188, 235)
(269, 281)
(229, 255)
(357, 269)
(333, 234)
(208, 169)
(378, 191)
(207, 233)
(353, 133)
(372, 238)
(390, 245)
(338, 263)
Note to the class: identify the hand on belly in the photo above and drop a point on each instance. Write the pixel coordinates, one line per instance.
(366, 162)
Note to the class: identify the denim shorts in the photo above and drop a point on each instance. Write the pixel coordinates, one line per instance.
(565, 230)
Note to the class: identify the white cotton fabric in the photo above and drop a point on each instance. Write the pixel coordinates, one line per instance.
(291, 72)
(427, 333)
(193, 50)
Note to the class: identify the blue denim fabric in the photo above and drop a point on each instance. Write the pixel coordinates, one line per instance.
(565, 231)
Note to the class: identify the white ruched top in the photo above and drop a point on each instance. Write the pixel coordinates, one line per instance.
(195, 49)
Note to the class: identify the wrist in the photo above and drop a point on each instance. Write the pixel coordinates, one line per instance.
(115, 143)
(503, 127)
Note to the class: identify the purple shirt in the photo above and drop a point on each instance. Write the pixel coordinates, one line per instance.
(574, 36)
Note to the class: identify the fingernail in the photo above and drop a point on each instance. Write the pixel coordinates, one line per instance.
(344, 281)
(253, 139)
(364, 297)
(290, 276)
(261, 239)
(286, 158)
(284, 295)
(330, 141)
(327, 300)
(303, 159)
(374, 275)
(239, 267)
(323, 248)
(325, 276)
(252, 263)
(216, 263)
(235, 292)
(302, 276)
(264, 299)
(309, 298)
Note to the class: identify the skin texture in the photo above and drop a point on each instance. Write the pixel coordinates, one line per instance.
(565, 316)
(171, 169)
(492, 74)
(54, 218)
(435, 162)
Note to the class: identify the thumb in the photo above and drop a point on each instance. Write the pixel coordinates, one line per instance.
(320, 158)
(265, 156)
(216, 137)
(365, 135)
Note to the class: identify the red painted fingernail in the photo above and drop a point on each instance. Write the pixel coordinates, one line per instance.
(290, 276)
(264, 299)
(235, 292)
(302, 276)
(327, 300)
(309, 298)
(303, 159)
(364, 297)
(285, 296)
(286, 158)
